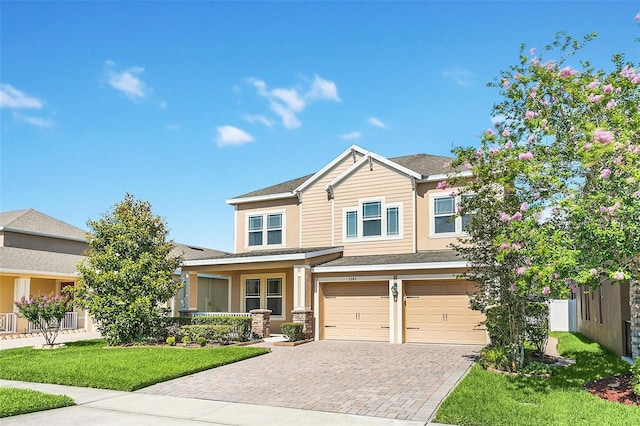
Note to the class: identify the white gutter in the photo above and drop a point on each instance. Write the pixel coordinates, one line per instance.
(256, 198)
(261, 259)
(389, 267)
(444, 176)
(22, 272)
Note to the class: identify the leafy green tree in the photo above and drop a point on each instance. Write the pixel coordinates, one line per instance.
(127, 278)
(555, 192)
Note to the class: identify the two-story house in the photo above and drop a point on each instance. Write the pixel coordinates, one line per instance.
(361, 246)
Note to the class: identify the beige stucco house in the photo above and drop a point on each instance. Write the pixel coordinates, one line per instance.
(360, 248)
(39, 254)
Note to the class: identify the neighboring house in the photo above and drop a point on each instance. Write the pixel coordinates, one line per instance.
(604, 315)
(338, 247)
(39, 254)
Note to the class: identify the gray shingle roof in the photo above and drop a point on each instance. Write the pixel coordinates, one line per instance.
(436, 256)
(31, 220)
(423, 164)
(259, 253)
(196, 253)
(44, 262)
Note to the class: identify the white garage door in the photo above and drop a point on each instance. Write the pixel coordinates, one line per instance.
(438, 312)
(356, 311)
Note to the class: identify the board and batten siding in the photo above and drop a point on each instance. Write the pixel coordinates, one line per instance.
(291, 223)
(364, 184)
(316, 207)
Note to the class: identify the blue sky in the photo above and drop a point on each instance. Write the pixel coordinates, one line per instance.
(188, 104)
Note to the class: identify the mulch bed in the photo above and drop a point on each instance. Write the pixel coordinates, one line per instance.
(615, 389)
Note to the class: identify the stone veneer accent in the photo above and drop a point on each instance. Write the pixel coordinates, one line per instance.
(304, 316)
(260, 322)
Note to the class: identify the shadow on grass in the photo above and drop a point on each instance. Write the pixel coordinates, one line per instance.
(592, 362)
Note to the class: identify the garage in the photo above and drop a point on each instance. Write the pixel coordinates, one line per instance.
(438, 312)
(356, 311)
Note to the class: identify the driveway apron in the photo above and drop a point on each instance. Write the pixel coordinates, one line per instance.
(406, 382)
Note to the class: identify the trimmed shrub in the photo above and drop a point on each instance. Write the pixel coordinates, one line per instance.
(292, 331)
(171, 341)
(186, 340)
(202, 341)
(211, 333)
(240, 326)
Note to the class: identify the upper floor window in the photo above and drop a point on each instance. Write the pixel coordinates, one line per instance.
(265, 229)
(444, 221)
(372, 219)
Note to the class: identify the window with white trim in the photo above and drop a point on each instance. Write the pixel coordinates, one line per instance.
(264, 292)
(444, 220)
(373, 219)
(265, 229)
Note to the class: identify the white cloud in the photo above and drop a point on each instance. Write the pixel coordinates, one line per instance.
(173, 127)
(289, 119)
(126, 81)
(10, 97)
(259, 119)
(460, 76)
(34, 121)
(352, 135)
(376, 122)
(229, 135)
(290, 98)
(288, 103)
(323, 90)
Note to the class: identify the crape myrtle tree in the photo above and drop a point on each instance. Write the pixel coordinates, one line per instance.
(555, 187)
(127, 277)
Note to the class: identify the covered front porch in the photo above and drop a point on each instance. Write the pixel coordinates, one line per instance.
(276, 281)
(14, 287)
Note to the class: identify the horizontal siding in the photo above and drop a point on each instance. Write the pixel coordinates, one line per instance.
(370, 184)
(291, 225)
(423, 218)
(316, 208)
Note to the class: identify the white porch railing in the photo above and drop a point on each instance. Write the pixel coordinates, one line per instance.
(221, 314)
(8, 322)
(69, 322)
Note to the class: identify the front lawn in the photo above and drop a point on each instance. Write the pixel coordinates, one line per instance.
(21, 401)
(485, 398)
(92, 364)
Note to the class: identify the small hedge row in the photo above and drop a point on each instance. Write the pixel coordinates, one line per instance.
(292, 331)
(240, 326)
(206, 333)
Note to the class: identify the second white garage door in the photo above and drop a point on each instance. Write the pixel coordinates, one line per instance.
(356, 311)
(438, 312)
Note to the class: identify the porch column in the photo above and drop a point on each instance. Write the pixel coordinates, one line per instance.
(305, 317)
(260, 322)
(21, 288)
(301, 287)
(193, 291)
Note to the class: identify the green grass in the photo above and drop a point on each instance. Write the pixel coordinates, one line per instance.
(484, 398)
(21, 401)
(92, 364)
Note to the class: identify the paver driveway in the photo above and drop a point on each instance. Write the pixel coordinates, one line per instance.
(372, 379)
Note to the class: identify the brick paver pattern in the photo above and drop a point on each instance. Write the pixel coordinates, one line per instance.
(405, 382)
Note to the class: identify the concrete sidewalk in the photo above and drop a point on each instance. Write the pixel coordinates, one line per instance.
(105, 407)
